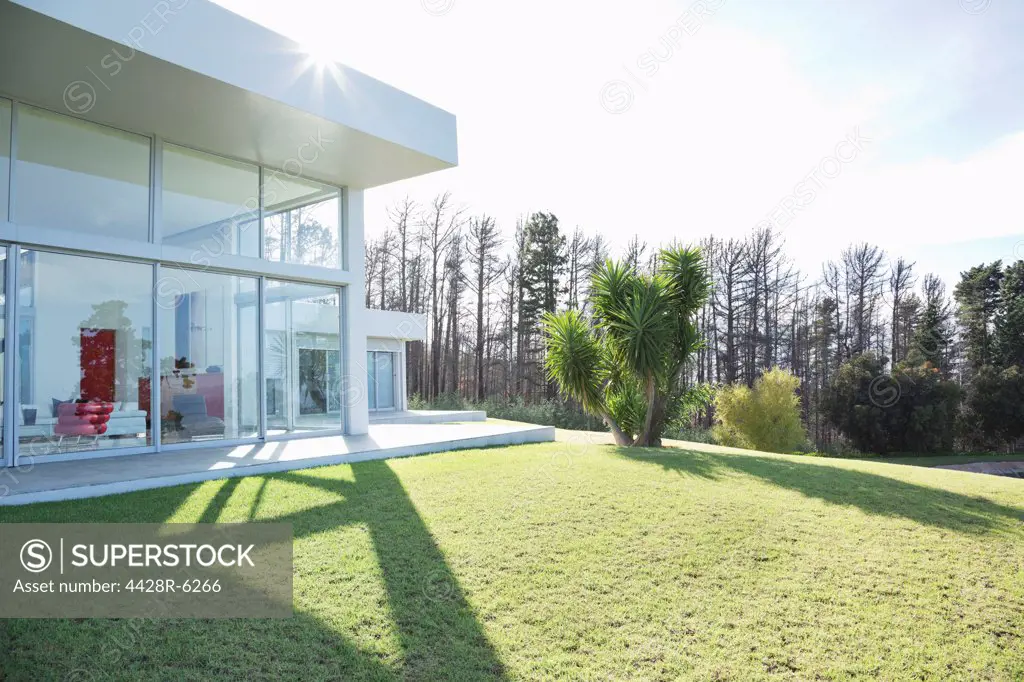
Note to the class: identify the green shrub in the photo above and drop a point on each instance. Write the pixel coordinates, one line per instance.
(993, 414)
(913, 409)
(765, 417)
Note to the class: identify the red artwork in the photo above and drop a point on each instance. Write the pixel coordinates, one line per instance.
(98, 347)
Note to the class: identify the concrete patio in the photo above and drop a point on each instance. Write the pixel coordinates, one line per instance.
(47, 482)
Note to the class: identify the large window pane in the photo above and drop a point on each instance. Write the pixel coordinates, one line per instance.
(78, 176)
(301, 222)
(84, 353)
(210, 204)
(209, 356)
(303, 357)
(5, 156)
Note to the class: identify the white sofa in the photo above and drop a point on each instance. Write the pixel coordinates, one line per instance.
(126, 420)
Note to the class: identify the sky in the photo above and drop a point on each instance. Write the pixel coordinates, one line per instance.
(836, 121)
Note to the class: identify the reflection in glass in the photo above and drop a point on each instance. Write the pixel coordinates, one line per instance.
(84, 353)
(210, 203)
(209, 348)
(74, 175)
(302, 357)
(301, 221)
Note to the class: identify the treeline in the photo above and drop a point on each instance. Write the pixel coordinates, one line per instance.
(484, 294)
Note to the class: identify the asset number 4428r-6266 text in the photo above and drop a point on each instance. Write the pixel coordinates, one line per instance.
(168, 585)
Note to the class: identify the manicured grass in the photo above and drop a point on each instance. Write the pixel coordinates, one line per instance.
(587, 562)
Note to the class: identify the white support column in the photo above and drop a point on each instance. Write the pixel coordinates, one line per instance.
(353, 314)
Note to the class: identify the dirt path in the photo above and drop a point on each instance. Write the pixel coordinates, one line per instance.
(1015, 469)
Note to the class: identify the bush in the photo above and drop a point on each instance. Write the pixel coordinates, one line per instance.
(993, 414)
(913, 409)
(765, 417)
(693, 434)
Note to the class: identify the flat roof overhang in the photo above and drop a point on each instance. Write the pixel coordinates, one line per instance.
(391, 324)
(194, 73)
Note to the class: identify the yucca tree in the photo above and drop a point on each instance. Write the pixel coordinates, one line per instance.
(625, 365)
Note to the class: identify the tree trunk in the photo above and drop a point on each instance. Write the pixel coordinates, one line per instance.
(643, 440)
(621, 439)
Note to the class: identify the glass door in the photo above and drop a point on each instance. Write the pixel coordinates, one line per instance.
(380, 380)
(385, 381)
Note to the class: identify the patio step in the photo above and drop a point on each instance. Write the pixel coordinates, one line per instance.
(428, 417)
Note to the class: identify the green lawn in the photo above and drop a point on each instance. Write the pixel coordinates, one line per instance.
(587, 562)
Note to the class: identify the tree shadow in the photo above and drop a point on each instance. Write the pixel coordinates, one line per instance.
(438, 633)
(872, 493)
(694, 463)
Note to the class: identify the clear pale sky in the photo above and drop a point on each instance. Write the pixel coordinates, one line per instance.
(682, 119)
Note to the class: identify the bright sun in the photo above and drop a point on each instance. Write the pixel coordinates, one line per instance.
(318, 55)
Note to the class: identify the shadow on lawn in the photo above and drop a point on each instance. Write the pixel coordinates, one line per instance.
(871, 493)
(438, 632)
(439, 636)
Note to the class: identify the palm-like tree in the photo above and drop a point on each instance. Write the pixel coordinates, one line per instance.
(626, 366)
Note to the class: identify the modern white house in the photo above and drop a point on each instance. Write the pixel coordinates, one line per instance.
(181, 231)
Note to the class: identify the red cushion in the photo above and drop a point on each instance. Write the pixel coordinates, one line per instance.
(84, 408)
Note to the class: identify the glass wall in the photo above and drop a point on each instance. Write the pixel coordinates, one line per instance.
(84, 330)
(210, 203)
(209, 355)
(82, 177)
(301, 221)
(84, 353)
(302, 361)
(5, 156)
